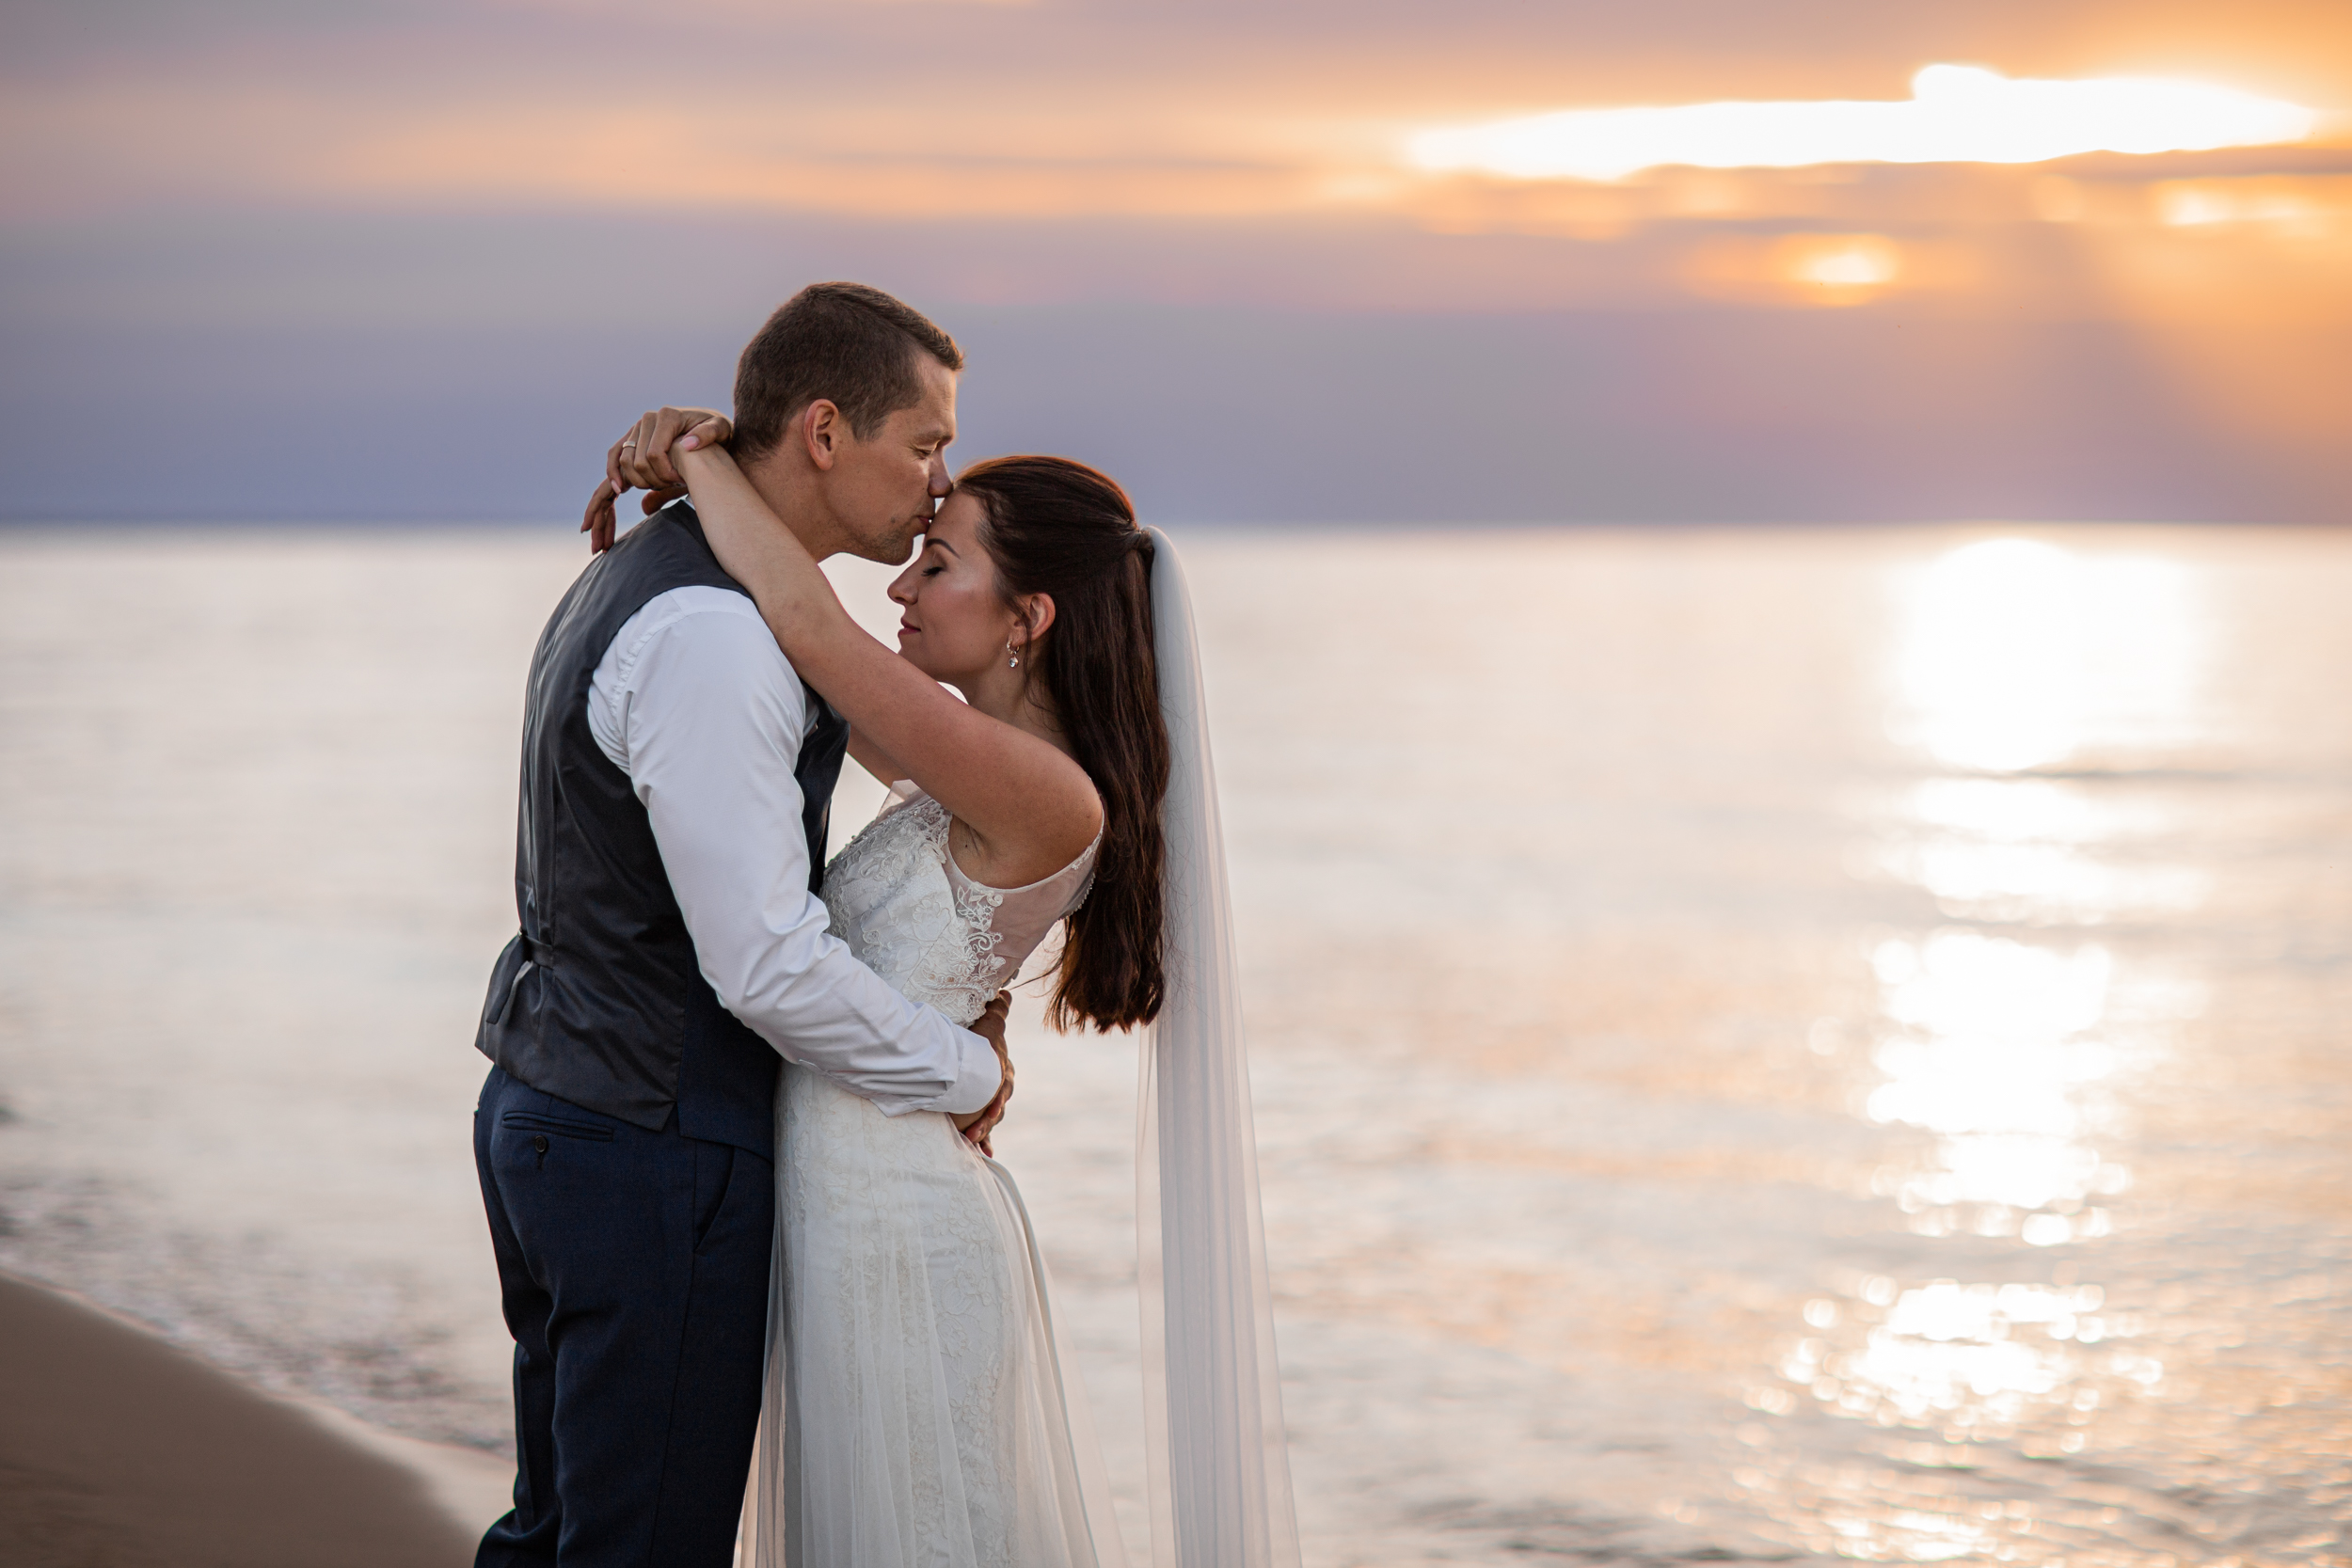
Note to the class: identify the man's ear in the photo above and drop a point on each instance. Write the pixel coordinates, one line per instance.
(824, 431)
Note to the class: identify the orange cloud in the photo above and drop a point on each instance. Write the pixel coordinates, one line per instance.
(1956, 114)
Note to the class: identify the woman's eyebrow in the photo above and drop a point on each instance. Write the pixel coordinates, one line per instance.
(945, 546)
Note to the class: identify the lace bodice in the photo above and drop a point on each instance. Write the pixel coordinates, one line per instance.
(909, 913)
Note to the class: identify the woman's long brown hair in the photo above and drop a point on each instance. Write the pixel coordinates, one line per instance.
(1059, 528)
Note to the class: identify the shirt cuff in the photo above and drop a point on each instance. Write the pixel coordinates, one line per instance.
(978, 1078)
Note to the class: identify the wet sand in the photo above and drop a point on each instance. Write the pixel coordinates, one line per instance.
(116, 1449)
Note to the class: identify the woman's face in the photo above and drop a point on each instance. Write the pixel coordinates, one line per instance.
(952, 624)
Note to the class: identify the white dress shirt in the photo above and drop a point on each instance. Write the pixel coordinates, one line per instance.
(697, 705)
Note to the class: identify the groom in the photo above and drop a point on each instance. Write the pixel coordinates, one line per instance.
(675, 778)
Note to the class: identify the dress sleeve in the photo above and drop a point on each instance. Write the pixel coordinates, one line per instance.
(1023, 916)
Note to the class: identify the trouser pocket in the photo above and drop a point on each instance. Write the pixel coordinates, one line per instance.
(541, 1131)
(716, 1168)
(532, 1121)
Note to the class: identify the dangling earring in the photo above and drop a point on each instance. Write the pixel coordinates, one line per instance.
(1012, 660)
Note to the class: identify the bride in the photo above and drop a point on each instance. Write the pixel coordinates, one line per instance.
(918, 1408)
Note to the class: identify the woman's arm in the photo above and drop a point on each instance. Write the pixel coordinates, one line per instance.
(874, 759)
(1028, 808)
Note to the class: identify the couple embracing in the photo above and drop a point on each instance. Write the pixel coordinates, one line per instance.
(763, 1274)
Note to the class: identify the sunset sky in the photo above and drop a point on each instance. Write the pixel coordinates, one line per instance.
(284, 261)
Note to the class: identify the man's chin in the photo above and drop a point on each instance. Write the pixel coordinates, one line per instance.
(894, 550)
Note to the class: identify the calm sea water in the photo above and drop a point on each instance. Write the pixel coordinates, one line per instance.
(1784, 1044)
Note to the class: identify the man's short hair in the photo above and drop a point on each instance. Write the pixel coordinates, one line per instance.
(845, 342)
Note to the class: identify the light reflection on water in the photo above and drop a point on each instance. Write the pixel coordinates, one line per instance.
(1996, 1049)
(2024, 851)
(2017, 654)
(2036, 674)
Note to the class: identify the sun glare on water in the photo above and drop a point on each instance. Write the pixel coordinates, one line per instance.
(1956, 114)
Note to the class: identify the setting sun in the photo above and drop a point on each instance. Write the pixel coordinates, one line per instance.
(1957, 113)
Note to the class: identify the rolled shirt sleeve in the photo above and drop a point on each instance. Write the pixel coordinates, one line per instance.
(697, 705)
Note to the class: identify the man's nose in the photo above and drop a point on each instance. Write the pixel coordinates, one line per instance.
(941, 485)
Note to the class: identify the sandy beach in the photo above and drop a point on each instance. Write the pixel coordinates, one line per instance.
(118, 1449)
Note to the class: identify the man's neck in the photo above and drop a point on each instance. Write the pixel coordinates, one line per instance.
(790, 492)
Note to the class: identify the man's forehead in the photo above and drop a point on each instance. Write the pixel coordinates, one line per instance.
(936, 409)
(940, 390)
(926, 415)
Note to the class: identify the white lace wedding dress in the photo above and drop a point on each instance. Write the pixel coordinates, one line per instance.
(918, 1413)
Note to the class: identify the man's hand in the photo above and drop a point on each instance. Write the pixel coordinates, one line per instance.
(641, 460)
(990, 1026)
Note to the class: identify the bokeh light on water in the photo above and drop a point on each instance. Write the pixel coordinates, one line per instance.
(1781, 1044)
(2087, 1407)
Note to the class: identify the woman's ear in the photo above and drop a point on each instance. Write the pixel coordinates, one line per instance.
(1037, 614)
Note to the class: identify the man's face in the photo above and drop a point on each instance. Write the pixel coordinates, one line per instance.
(883, 488)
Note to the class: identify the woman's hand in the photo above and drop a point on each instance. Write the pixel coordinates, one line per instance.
(642, 460)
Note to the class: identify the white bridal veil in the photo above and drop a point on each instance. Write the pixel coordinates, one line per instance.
(1213, 1398)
